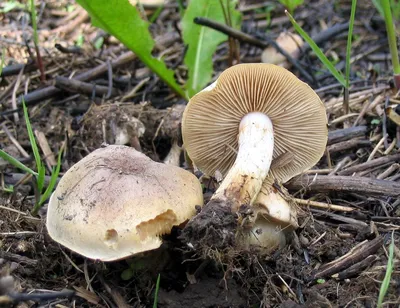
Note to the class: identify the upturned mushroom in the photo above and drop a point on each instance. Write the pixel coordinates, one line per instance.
(117, 202)
(258, 123)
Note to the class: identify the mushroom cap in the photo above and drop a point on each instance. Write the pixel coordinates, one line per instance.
(210, 123)
(289, 42)
(148, 3)
(117, 202)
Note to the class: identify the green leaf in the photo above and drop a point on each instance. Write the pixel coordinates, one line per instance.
(16, 163)
(122, 20)
(11, 5)
(99, 42)
(8, 189)
(80, 40)
(338, 75)
(375, 122)
(203, 41)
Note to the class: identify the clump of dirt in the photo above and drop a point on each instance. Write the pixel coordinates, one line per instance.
(214, 227)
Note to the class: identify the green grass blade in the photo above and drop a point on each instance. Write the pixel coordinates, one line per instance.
(391, 36)
(40, 178)
(16, 163)
(338, 75)
(388, 274)
(181, 8)
(34, 22)
(155, 15)
(349, 38)
(156, 292)
(378, 6)
(53, 180)
(32, 138)
(2, 60)
(8, 189)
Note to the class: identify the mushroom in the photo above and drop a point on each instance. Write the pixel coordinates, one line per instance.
(290, 43)
(257, 123)
(117, 202)
(128, 130)
(148, 3)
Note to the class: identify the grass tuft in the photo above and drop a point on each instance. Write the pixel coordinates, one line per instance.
(39, 176)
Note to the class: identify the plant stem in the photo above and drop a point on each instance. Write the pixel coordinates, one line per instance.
(392, 41)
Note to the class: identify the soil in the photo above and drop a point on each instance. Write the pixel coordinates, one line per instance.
(336, 258)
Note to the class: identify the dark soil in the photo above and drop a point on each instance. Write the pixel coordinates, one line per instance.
(334, 259)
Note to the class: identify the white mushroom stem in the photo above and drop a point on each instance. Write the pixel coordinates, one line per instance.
(256, 144)
(174, 155)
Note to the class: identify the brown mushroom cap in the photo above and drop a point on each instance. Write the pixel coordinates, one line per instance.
(211, 120)
(117, 202)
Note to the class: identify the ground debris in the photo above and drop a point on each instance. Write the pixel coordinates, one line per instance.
(334, 259)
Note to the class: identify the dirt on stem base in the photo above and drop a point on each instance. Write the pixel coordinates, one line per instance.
(216, 230)
(214, 227)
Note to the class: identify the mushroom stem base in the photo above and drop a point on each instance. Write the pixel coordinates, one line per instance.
(213, 228)
(219, 233)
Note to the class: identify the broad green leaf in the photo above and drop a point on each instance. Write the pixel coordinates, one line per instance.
(122, 20)
(203, 41)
